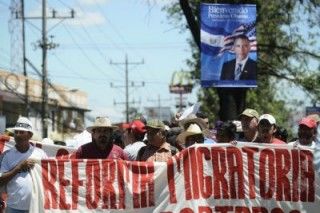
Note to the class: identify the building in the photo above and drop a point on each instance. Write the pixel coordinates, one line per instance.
(67, 107)
(161, 113)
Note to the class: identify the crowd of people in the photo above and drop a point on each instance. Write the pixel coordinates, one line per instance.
(141, 140)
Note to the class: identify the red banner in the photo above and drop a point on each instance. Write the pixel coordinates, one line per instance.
(245, 178)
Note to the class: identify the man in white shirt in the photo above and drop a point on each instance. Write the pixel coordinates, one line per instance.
(15, 167)
(316, 118)
(306, 133)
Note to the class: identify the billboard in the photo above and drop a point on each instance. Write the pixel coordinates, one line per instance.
(228, 45)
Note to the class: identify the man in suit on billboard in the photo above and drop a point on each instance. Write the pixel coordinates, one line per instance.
(242, 67)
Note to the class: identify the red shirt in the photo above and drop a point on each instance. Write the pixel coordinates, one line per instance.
(273, 141)
(91, 151)
(277, 141)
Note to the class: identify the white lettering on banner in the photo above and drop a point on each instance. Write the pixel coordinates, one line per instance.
(103, 181)
(220, 178)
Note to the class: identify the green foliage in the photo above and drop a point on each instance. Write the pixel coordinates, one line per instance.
(287, 33)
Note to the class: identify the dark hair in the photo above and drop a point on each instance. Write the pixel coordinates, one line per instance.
(242, 37)
(138, 136)
(117, 138)
(281, 134)
(201, 115)
(227, 129)
(167, 123)
(143, 119)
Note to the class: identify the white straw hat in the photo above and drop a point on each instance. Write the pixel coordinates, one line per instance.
(193, 129)
(101, 122)
(23, 124)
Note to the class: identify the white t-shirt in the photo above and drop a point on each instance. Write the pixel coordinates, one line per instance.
(19, 188)
(133, 149)
(312, 145)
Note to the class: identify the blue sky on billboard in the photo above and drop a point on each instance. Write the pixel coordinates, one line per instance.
(104, 31)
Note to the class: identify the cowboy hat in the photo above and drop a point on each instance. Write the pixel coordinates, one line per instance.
(155, 124)
(101, 122)
(192, 118)
(23, 124)
(193, 129)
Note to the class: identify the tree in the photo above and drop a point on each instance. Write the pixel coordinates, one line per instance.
(286, 34)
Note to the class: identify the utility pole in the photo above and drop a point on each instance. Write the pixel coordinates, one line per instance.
(127, 63)
(45, 105)
(159, 104)
(45, 45)
(26, 98)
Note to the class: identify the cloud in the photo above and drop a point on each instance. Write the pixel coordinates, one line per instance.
(82, 18)
(87, 19)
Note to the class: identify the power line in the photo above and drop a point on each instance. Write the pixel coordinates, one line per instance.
(102, 31)
(119, 35)
(85, 54)
(127, 63)
(45, 45)
(97, 48)
(151, 46)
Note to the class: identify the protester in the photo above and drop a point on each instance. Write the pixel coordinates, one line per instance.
(192, 135)
(172, 137)
(2, 188)
(203, 123)
(249, 122)
(281, 134)
(205, 119)
(316, 118)
(306, 133)
(16, 165)
(102, 146)
(134, 135)
(266, 129)
(157, 149)
(226, 132)
(117, 138)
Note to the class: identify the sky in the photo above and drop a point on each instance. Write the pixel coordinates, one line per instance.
(104, 31)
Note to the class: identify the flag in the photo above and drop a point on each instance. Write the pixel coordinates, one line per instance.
(248, 29)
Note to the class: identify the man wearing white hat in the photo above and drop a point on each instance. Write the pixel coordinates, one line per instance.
(101, 146)
(249, 122)
(15, 167)
(266, 130)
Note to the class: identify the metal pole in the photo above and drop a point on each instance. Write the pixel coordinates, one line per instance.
(26, 100)
(180, 105)
(127, 89)
(44, 111)
(159, 105)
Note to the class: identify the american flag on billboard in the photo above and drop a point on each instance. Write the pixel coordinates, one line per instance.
(248, 29)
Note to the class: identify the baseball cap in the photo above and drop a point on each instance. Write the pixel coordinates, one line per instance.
(250, 113)
(314, 117)
(137, 126)
(267, 117)
(125, 126)
(155, 124)
(309, 122)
